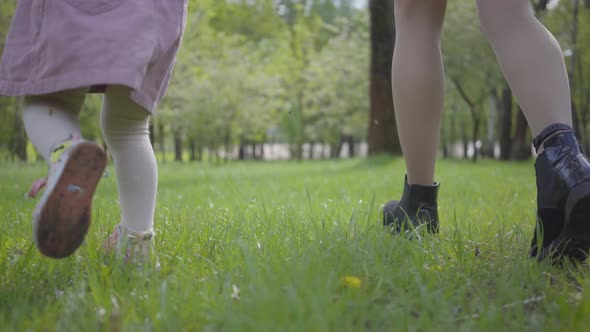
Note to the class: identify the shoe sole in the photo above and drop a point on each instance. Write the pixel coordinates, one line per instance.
(574, 241)
(64, 214)
(397, 227)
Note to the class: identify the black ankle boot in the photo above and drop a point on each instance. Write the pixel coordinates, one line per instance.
(563, 196)
(418, 206)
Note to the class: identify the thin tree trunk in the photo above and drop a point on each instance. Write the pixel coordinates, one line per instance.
(226, 145)
(193, 148)
(453, 130)
(351, 150)
(521, 147)
(177, 146)
(162, 140)
(506, 124)
(261, 152)
(474, 136)
(382, 131)
(492, 124)
(465, 139)
(242, 152)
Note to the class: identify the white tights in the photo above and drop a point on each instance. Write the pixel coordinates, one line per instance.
(53, 118)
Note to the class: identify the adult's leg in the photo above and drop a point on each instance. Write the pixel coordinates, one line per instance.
(418, 93)
(533, 65)
(531, 60)
(418, 84)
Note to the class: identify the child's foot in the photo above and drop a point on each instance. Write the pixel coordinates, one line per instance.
(62, 216)
(417, 207)
(563, 197)
(134, 247)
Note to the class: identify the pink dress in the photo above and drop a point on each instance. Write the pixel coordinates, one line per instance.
(55, 45)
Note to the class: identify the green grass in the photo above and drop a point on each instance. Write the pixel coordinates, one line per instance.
(286, 235)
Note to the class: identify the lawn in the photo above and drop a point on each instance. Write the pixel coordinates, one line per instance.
(296, 247)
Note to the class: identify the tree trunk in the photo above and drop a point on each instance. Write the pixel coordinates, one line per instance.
(382, 134)
(193, 148)
(226, 146)
(465, 139)
(491, 144)
(474, 135)
(351, 150)
(521, 147)
(162, 140)
(177, 146)
(242, 152)
(453, 130)
(506, 124)
(335, 150)
(445, 141)
(261, 151)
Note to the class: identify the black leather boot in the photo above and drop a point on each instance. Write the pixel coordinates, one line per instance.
(563, 196)
(417, 206)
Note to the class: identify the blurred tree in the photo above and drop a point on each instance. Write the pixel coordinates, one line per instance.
(382, 134)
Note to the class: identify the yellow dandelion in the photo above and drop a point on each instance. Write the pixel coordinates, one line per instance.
(352, 281)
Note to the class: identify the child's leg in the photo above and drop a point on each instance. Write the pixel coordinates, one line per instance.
(125, 126)
(531, 60)
(418, 84)
(63, 214)
(52, 119)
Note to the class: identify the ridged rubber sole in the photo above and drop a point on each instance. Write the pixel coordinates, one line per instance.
(574, 240)
(64, 215)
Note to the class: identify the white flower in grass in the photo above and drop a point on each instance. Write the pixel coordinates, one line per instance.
(235, 293)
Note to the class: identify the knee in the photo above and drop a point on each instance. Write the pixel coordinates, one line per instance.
(121, 118)
(498, 17)
(416, 16)
(67, 100)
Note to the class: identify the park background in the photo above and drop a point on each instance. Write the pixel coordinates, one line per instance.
(277, 149)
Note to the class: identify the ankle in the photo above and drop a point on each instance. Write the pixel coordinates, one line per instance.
(549, 134)
(417, 194)
(423, 181)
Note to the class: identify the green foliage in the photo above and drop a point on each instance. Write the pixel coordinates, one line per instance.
(247, 68)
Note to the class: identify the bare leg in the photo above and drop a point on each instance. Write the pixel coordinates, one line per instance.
(418, 96)
(531, 60)
(418, 84)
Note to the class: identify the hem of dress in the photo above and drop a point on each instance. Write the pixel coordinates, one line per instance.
(67, 82)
